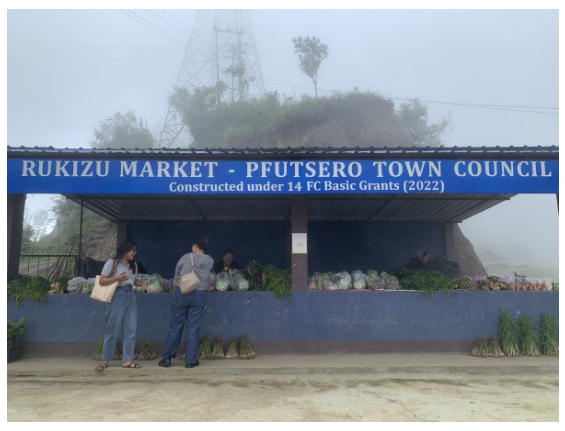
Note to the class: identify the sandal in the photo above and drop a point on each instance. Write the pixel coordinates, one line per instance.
(101, 367)
(131, 365)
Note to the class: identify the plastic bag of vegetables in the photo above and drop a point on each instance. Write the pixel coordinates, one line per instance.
(359, 281)
(238, 281)
(223, 281)
(391, 282)
(212, 277)
(76, 285)
(373, 280)
(153, 283)
(343, 280)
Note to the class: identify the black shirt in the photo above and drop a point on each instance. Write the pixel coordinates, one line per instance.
(415, 263)
(219, 266)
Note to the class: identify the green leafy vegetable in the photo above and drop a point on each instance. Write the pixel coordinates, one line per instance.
(509, 334)
(530, 337)
(22, 287)
(428, 282)
(549, 338)
(16, 330)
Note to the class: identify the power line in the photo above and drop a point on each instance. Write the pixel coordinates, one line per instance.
(164, 34)
(168, 23)
(175, 19)
(468, 105)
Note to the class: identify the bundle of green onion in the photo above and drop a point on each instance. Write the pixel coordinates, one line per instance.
(494, 348)
(97, 354)
(530, 337)
(549, 339)
(204, 349)
(217, 349)
(245, 350)
(147, 353)
(509, 334)
(481, 348)
(233, 350)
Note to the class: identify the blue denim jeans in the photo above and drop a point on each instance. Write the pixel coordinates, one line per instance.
(121, 318)
(187, 309)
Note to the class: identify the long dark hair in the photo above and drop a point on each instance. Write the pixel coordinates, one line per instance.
(125, 247)
(203, 242)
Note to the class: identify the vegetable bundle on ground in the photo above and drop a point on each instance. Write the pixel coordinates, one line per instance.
(217, 349)
(494, 348)
(97, 354)
(530, 337)
(245, 350)
(233, 350)
(549, 339)
(147, 353)
(509, 334)
(204, 350)
(480, 348)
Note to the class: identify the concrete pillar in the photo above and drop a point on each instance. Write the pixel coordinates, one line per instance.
(450, 241)
(122, 234)
(299, 224)
(16, 207)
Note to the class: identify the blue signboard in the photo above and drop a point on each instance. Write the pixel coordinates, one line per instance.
(192, 177)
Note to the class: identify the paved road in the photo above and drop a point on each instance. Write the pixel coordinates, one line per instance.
(314, 397)
(36, 268)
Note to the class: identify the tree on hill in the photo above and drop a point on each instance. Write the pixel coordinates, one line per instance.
(123, 131)
(310, 52)
(413, 120)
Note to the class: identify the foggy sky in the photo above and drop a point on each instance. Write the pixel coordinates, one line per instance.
(69, 69)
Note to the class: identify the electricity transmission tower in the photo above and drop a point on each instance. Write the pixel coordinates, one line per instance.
(221, 47)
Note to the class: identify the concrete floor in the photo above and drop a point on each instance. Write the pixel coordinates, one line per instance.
(314, 397)
(422, 387)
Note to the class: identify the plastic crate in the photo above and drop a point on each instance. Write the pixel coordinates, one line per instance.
(14, 350)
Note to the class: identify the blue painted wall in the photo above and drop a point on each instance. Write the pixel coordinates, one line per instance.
(379, 246)
(310, 316)
(161, 245)
(331, 246)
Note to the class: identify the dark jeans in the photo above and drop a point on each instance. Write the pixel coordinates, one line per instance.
(190, 309)
(121, 318)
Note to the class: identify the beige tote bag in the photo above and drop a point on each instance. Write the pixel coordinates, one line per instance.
(189, 282)
(104, 293)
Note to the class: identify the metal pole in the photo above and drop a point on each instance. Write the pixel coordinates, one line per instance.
(217, 66)
(80, 231)
(557, 197)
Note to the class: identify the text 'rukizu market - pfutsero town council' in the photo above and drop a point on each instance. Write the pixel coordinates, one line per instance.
(283, 169)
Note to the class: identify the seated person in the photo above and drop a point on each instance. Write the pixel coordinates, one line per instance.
(419, 261)
(227, 263)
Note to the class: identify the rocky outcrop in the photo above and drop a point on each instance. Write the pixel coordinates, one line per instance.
(100, 243)
(468, 260)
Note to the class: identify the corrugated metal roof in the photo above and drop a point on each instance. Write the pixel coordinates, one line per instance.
(350, 208)
(550, 152)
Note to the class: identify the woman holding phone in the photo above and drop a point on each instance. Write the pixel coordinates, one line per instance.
(121, 313)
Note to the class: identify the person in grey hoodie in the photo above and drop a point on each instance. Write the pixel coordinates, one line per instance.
(188, 308)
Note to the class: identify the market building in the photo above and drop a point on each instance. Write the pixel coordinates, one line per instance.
(307, 210)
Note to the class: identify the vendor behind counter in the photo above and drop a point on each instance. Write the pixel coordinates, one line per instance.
(226, 263)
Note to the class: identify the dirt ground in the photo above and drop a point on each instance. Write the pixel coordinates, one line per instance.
(314, 397)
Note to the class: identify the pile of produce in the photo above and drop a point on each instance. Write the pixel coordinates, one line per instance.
(16, 330)
(168, 284)
(267, 278)
(22, 287)
(549, 338)
(356, 280)
(56, 289)
(466, 283)
(428, 282)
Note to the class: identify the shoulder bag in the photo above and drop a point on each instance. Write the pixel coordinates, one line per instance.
(104, 293)
(190, 281)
